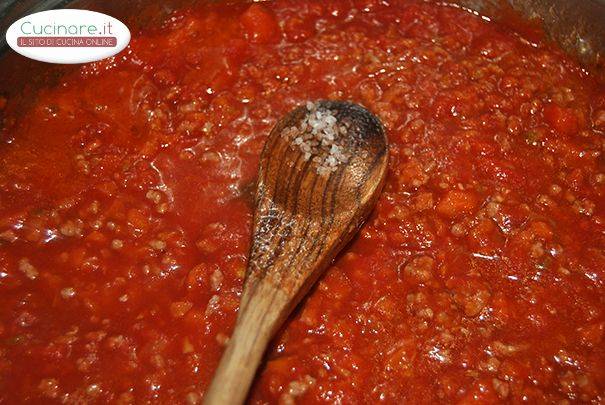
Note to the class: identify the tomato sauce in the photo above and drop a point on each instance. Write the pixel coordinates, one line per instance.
(126, 201)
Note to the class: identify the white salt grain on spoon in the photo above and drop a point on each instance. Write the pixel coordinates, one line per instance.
(320, 138)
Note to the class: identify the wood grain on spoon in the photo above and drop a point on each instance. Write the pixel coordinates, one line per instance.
(304, 216)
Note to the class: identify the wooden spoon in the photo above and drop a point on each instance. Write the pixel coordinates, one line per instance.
(303, 218)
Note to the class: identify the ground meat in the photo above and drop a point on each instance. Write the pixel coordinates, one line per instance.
(420, 269)
(126, 206)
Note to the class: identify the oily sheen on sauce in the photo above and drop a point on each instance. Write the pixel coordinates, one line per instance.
(126, 200)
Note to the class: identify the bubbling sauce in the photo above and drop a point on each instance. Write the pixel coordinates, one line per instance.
(126, 203)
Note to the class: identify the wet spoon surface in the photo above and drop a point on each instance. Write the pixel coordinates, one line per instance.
(321, 172)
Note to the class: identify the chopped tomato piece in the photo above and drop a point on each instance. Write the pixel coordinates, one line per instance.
(562, 120)
(456, 203)
(260, 24)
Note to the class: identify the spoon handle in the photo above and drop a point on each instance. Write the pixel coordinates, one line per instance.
(261, 313)
(274, 285)
(286, 258)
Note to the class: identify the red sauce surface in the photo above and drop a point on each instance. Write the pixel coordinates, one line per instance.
(125, 210)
